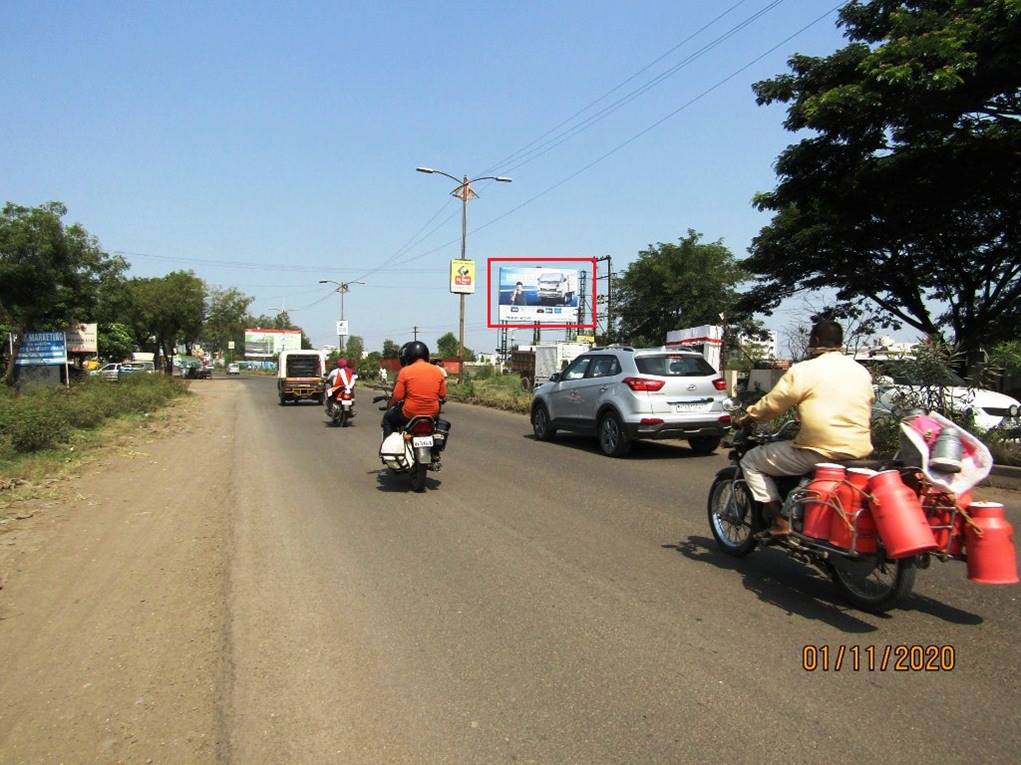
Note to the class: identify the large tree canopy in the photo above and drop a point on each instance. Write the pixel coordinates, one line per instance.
(50, 274)
(908, 192)
(671, 286)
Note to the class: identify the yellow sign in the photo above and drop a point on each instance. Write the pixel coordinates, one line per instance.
(462, 277)
(590, 339)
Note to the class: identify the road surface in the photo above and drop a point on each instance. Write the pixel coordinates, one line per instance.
(538, 603)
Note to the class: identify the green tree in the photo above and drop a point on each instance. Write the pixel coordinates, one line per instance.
(390, 349)
(226, 318)
(670, 286)
(49, 273)
(353, 350)
(906, 191)
(169, 309)
(446, 348)
(115, 341)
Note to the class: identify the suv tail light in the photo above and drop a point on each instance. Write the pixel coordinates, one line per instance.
(720, 384)
(642, 383)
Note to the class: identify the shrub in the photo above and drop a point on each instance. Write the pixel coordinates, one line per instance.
(37, 427)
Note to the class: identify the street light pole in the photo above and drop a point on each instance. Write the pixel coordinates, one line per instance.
(342, 289)
(464, 192)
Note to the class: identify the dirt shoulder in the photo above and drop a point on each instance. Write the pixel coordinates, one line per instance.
(112, 616)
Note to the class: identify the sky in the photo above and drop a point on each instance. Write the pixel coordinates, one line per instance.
(267, 146)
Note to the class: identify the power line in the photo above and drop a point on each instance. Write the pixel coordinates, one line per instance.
(547, 146)
(251, 265)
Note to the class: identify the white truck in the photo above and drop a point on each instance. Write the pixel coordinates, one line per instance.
(557, 287)
(555, 358)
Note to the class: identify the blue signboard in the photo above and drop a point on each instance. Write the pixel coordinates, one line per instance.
(42, 349)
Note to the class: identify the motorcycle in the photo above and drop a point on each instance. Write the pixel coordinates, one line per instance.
(873, 571)
(342, 407)
(415, 448)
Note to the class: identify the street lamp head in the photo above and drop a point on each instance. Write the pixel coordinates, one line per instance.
(425, 170)
(503, 179)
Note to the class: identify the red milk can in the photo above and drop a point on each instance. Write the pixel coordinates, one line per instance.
(818, 493)
(899, 517)
(990, 547)
(851, 495)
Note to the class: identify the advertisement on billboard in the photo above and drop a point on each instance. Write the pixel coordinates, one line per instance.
(42, 349)
(81, 338)
(462, 277)
(268, 343)
(538, 295)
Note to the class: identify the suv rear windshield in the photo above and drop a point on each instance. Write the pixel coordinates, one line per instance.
(671, 365)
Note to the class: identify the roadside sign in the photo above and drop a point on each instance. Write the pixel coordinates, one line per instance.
(230, 345)
(342, 328)
(462, 276)
(43, 349)
(81, 338)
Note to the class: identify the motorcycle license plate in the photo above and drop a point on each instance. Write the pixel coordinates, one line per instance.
(690, 406)
(346, 403)
(421, 441)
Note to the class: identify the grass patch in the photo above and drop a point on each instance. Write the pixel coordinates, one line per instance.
(496, 391)
(55, 419)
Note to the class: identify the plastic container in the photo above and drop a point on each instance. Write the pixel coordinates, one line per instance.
(851, 496)
(899, 517)
(991, 558)
(818, 493)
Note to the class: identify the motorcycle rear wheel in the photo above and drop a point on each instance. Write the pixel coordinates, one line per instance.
(732, 516)
(874, 589)
(418, 471)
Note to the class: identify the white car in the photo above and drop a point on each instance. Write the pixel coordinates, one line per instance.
(107, 371)
(233, 369)
(989, 408)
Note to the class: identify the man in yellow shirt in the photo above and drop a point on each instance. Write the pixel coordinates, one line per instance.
(833, 394)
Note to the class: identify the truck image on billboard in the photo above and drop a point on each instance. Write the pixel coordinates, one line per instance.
(538, 295)
(268, 343)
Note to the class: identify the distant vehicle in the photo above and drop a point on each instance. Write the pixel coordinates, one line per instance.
(622, 394)
(233, 369)
(107, 371)
(558, 287)
(135, 367)
(197, 372)
(300, 376)
(895, 388)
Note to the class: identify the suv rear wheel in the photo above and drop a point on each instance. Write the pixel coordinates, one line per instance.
(613, 439)
(704, 444)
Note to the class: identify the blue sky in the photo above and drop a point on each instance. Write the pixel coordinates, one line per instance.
(267, 146)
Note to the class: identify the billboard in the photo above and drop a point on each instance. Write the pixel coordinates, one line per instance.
(462, 276)
(268, 343)
(42, 349)
(81, 338)
(540, 295)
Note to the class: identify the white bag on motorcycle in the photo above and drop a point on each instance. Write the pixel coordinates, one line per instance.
(396, 452)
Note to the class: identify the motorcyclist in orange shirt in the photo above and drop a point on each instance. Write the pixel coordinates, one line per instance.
(420, 388)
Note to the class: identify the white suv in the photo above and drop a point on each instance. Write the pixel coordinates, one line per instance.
(621, 394)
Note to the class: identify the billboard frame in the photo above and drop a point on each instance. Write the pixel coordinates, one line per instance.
(538, 263)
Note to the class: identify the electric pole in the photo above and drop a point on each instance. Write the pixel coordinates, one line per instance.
(342, 289)
(415, 330)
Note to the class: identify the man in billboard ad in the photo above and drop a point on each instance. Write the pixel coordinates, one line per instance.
(529, 294)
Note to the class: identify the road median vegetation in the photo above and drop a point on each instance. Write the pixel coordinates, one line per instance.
(492, 390)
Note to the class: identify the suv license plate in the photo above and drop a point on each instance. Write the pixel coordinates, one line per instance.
(420, 441)
(693, 406)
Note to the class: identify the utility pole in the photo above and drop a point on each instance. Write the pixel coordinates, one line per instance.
(464, 192)
(415, 330)
(609, 292)
(342, 289)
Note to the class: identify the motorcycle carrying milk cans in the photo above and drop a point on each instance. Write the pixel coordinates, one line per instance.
(870, 529)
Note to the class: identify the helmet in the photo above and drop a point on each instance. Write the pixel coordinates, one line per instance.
(341, 363)
(413, 351)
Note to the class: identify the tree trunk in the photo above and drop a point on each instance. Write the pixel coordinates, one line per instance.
(9, 372)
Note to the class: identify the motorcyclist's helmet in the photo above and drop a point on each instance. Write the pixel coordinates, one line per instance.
(413, 351)
(341, 363)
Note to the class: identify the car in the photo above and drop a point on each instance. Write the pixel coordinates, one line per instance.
(107, 371)
(233, 369)
(622, 394)
(135, 367)
(196, 371)
(896, 390)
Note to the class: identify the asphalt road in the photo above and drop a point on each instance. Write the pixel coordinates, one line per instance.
(543, 603)
(238, 582)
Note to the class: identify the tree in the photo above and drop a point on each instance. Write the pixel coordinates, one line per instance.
(907, 193)
(390, 349)
(170, 309)
(446, 348)
(49, 273)
(671, 286)
(115, 341)
(354, 349)
(226, 318)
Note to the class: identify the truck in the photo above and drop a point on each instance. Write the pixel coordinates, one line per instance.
(300, 376)
(536, 366)
(557, 287)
